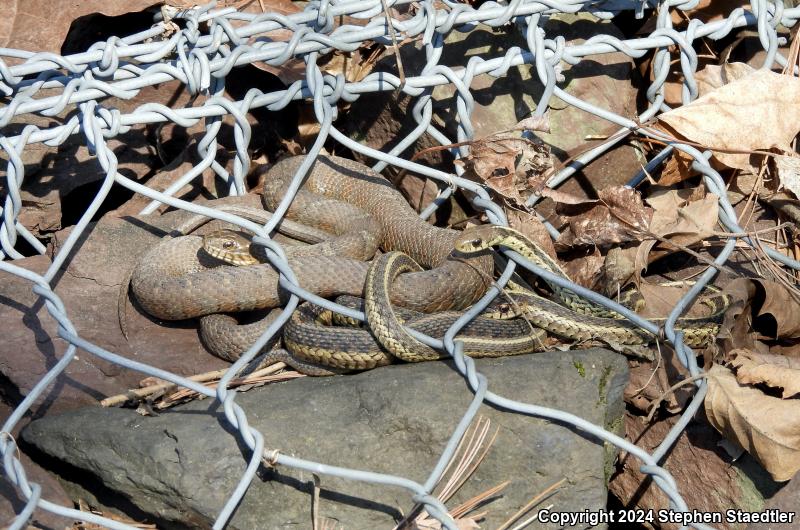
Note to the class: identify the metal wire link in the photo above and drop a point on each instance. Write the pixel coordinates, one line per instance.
(121, 67)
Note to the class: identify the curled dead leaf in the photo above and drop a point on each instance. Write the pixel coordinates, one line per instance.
(512, 166)
(781, 306)
(788, 168)
(736, 326)
(714, 76)
(764, 318)
(679, 218)
(754, 112)
(617, 216)
(534, 123)
(586, 270)
(767, 427)
(777, 371)
(677, 168)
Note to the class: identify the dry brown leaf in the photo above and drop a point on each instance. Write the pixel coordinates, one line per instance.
(677, 168)
(495, 164)
(782, 306)
(767, 427)
(714, 76)
(586, 270)
(755, 112)
(618, 270)
(788, 168)
(777, 371)
(679, 218)
(763, 317)
(510, 165)
(293, 69)
(534, 123)
(736, 326)
(39, 26)
(562, 197)
(618, 216)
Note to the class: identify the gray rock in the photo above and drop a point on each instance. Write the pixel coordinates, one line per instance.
(181, 466)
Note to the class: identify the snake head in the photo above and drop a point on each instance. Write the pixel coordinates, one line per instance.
(477, 238)
(229, 246)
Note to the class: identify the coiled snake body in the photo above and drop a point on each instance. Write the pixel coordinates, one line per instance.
(176, 280)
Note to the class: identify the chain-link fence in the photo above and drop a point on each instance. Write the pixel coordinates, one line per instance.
(201, 55)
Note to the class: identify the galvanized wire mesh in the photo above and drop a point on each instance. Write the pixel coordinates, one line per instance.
(201, 58)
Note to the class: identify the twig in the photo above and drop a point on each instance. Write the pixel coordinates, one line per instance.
(530, 519)
(533, 502)
(138, 394)
(752, 197)
(653, 374)
(396, 47)
(315, 503)
(670, 391)
(436, 148)
(665, 139)
(684, 248)
(254, 379)
(753, 233)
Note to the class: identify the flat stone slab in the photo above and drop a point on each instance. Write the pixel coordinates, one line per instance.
(181, 466)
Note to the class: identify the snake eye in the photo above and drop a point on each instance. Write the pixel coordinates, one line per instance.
(228, 244)
(476, 242)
